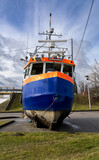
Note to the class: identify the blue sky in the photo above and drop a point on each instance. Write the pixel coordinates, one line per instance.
(19, 18)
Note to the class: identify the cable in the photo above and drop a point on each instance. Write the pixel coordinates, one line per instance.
(85, 66)
(85, 29)
(16, 50)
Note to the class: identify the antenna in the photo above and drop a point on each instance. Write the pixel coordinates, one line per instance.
(50, 14)
(50, 20)
(50, 29)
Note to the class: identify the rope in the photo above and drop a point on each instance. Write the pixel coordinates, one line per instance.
(85, 29)
(49, 107)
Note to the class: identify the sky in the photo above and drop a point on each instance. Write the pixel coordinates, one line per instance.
(20, 19)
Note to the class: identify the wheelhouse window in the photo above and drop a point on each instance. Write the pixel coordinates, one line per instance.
(37, 68)
(67, 70)
(50, 67)
(27, 70)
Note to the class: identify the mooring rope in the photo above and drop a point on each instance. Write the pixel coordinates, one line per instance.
(49, 107)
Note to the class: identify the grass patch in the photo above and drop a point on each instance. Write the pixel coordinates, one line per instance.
(4, 105)
(3, 122)
(20, 109)
(54, 146)
(79, 107)
(16, 105)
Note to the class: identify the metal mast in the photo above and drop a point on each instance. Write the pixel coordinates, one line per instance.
(52, 49)
(50, 27)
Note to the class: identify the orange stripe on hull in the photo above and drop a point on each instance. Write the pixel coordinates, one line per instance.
(48, 75)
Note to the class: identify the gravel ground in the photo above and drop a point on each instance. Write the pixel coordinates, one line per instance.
(76, 122)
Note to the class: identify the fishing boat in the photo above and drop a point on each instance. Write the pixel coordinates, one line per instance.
(48, 86)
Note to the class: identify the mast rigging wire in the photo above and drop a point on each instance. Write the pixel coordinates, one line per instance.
(85, 29)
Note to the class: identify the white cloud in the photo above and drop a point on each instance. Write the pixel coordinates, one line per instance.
(12, 39)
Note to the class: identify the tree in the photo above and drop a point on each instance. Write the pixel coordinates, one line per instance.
(94, 79)
(82, 87)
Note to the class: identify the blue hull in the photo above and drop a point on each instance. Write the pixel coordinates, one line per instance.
(39, 95)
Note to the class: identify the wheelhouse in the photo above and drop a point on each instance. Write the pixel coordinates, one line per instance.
(36, 68)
